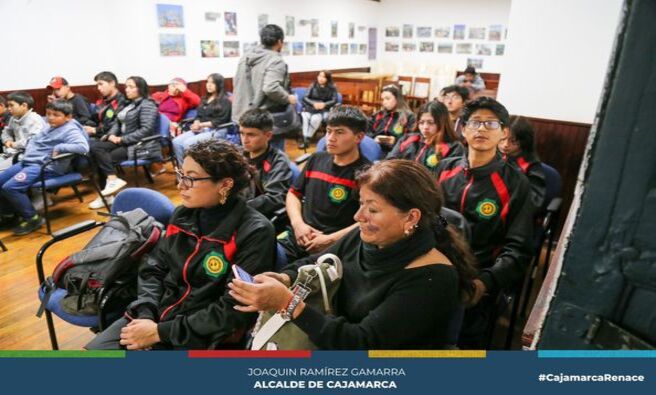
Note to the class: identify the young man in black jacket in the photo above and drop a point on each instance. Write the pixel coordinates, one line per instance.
(274, 174)
(496, 200)
(108, 107)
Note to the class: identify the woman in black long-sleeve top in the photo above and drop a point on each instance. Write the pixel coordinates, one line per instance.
(136, 121)
(404, 270)
(321, 96)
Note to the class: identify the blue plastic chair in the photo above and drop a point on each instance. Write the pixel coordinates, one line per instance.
(152, 202)
(368, 146)
(300, 95)
(164, 136)
(192, 113)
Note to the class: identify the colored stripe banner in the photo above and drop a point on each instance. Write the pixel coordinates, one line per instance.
(428, 354)
(62, 354)
(596, 353)
(249, 354)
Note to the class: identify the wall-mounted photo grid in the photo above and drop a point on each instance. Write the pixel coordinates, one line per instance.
(226, 43)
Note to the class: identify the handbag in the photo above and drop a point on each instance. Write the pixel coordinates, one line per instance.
(322, 278)
(287, 121)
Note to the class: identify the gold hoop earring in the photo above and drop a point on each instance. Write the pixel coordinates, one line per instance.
(223, 196)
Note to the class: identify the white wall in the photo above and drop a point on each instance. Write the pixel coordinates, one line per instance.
(557, 56)
(78, 38)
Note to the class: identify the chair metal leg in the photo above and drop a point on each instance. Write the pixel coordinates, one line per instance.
(148, 176)
(45, 208)
(514, 313)
(51, 330)
(3, 247)
(77, 193)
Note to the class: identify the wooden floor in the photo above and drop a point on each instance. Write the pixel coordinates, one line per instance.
(20, 329)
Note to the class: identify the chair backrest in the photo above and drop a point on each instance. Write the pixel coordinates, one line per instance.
(368, 146)
(340, 98)
(192, 113)
(421, 87)
(300, 95)
(553, 181)
(154, 203)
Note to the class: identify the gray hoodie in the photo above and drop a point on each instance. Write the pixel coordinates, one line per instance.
(267, 86)
(21, 130)
(68, 138)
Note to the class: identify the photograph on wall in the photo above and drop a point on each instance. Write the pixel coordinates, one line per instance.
(444, 48)
(407, 31)
(333, 29)
(231, 49)
(391, 47)
(310, 48)
(373, 43)
(262, 20)
(392, 31)
(172, 45)
(169, 15)
(249, 46)
(501, 49)
(297, 48)
(290, 26)
(343, 49)
(212, 16)
(334, 49)
(477, 33)
(426, 46)
(209, 48)
(458, 32)
(464, 48)
(314, 25)
(323, 49)
(424, 31)
(354, 49)
(442, 32)
(409, 47)
(483, 49)
(285, 49)
(351, 29)
(362, 49)
(476, 63)
(230, 19)
(495, 33)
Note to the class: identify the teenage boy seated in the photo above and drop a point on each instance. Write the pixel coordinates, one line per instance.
(324, 198)
(454, 98)
(274, 174)
(62, 91)
(63, 136)
(108, 107)
(470, 80)
(22, 126)
(496, 200)
(175, 101)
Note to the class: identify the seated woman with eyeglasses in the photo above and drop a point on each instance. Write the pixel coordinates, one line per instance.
(405, 271)
(435, 141)
(183, 301)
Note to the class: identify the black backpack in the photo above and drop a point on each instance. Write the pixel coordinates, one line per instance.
(102, 277)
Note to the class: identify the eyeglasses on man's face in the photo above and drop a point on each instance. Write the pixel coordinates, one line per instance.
(451, 97)
(188, 182)
(489, 125)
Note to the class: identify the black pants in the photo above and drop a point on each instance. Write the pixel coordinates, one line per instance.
(106, 155)
(477, 325)
(110, 338)
(292, 249)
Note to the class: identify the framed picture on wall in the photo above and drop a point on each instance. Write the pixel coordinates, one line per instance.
(354, 49)
(334, 49)
(262, 20)
(392, 31)
(458, 32)
(407, 31)
(495, 33)
(231, 49)
(391, 47)
(169, 15)
(172, 45)
(444, 48)
(477, 33)
(424, 31)
(249, 46)
(209, 48)
(442, 32)
(323, 49)
(351, 31)
(290, 26)
(285, 49)
(483, 49)
(333, 29)
(314, 25)
(230, 19)
(343, 49)
(501, 49)
(409, 47)
(362, 49)
(297, 48)
(212, 16)
(477, 63)
(464, 48)
(426, 46)
(310, 48)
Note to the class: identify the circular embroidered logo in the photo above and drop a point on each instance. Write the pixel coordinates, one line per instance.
(338, 194)
(487, 208)
(397, 129)
(214, 264)
(109, 113)
(432, 160)
(20, 177)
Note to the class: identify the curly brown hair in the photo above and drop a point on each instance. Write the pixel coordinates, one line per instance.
(221, 159)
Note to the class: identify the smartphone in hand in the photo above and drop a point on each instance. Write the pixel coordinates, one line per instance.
(242, 274)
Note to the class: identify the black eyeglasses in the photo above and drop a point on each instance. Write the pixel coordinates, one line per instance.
(489, 125)
(188, 182)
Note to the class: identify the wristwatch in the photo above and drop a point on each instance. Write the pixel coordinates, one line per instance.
(299, 293)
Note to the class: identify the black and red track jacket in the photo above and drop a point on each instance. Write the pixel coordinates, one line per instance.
(496, 200)
(413, 147)
(532, 169)
(183, 282)
(268, 190)
(391, 123)
(106, 113)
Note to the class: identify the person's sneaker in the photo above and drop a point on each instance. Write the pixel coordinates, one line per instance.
(113, 186)
(8, 221)
(37, 201)
(29, 225)
(98, 203)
